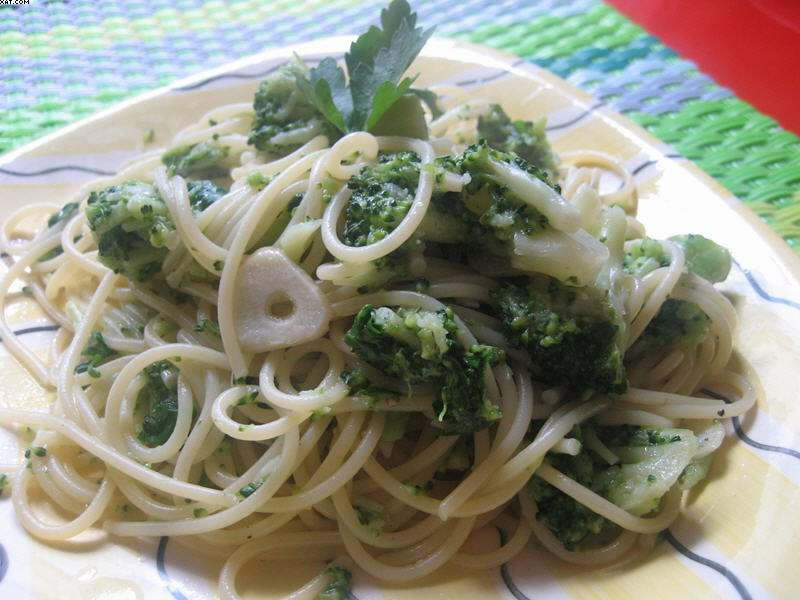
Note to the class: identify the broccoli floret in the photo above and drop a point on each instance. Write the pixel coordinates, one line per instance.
(704, 257)
(644, 256)
(132, 228)
(419, 346)
(64, 214)
(208, 327)
(526, 139)
(204, 158)
(569, 520)
(649, 466)
(203, 193)
(285, 119)
(572, 337)
(277, 227)
(395, 426)
(491, 197)
(381, 196)
(339, 584)
(371, 515)
(650, 461)
(159, 399)
(678, 323)
(97, 351)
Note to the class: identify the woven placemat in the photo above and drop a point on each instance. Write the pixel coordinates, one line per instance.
(61, 61)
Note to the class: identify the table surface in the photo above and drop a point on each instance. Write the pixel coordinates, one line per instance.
(62, 61)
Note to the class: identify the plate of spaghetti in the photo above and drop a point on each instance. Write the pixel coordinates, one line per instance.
(392, 316)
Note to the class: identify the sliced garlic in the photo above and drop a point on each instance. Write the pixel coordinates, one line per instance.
(277, 303)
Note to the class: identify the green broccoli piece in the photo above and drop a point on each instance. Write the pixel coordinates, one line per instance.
(203, 193)
(277, 227)
(419, 346)
(208, 327)
(678, 323)
(284, 118)
(339, 584)
(572, 337)
(3, 483)
(395, 426)
(64, 214)
(159, 399)
(569, 520)
(643, 257)
(651, 461)
(704, 257)
(371, 515)
(381, 196)
(204, 158)
(489, 195)
(649, 466)
(97, 352)
(358, 384)
(526, 139)
(132, 228)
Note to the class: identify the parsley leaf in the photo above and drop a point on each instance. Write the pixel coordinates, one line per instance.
(375, 64)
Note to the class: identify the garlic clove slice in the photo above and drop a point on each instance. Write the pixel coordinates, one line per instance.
(277, 303)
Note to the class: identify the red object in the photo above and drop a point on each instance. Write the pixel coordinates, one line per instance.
(749, 46)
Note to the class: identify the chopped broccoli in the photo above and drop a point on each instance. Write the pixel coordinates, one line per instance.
(3, 483)
(381, 196)
(491, 195)
(395, 426)
(704, 257)
(339, 584)
(371, 515)
(651, 461)
(159, 398)
(203, 158)
(97, 351)
(208, 327)
(569, 520)
(418, 346)
(646, 470)
(64, 214)
(258, 181)
(572, 337)
(285, 119)
(678, 323)
(132, 228)
(359, 385)
(526, 139)
(644, 256)
(203, 193)
(274, 231)
(695, 472)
